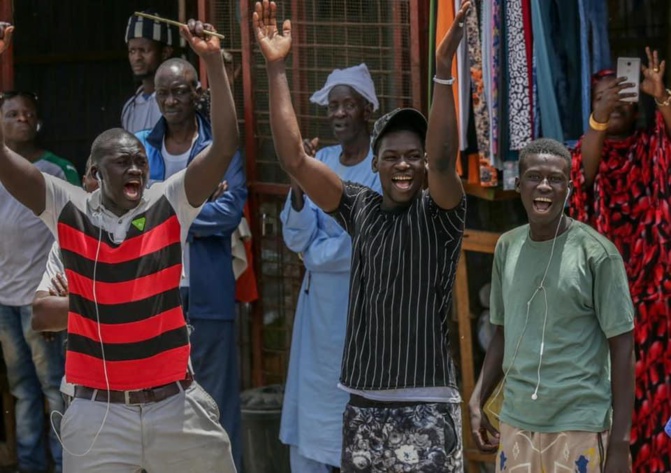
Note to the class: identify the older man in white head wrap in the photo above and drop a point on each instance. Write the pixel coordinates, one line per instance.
(313, 405)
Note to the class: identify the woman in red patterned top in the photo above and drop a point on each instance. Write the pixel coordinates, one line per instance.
(622, 181)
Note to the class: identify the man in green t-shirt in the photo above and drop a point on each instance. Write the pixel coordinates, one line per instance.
(563, 342)
(20, 124)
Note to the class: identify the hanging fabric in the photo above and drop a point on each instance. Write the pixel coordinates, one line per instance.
(488, 175)
(547, 100)
(491, 72)
(519, 92)
(594, 54)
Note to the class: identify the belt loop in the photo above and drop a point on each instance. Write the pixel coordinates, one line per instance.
(126, 397)
(179, 385)
(93, 396)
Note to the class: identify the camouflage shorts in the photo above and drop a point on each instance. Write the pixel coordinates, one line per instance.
(424, 437)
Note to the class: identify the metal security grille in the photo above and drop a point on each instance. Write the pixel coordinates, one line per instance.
(337, 34)
(327, 34)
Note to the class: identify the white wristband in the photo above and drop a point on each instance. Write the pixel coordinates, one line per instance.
(449, 81)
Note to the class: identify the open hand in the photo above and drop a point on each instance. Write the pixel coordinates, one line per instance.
(6, 32)
(205, 46)
(653, 76)
(485, 436)
(310, 146)
(274, 46)
(60, 285)
(448, 46)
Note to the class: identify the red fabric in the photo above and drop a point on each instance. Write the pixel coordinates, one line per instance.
(629, 203)
(130, 332)
(246, 289)
(125, 291)
(144, 365)
(164, 368)
(165, 234)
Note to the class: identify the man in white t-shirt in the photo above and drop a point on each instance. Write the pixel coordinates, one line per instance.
(128, 346)
(34, 365)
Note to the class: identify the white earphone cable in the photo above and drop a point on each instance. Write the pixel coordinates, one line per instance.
(102, 349)
(541, 287)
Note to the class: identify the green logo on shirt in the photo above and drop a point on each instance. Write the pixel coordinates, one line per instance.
(139, 223)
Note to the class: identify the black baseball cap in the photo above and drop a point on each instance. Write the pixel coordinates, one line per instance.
(406, 117)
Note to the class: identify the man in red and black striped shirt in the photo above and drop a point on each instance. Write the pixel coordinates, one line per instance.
(136, 405)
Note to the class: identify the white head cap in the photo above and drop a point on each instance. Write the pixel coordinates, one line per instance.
(356, 77)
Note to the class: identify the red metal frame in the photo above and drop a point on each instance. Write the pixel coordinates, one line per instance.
(203, 15)
(298, 81)
(418, 10)
(7, 60)
(251, 153)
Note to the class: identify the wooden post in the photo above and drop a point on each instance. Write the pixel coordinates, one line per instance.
(483, 242)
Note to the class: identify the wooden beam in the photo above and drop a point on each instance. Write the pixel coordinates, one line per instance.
(482, 242)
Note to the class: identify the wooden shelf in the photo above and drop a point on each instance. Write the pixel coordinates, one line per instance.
(489, 193)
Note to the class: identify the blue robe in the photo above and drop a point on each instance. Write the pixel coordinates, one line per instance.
(313, 404)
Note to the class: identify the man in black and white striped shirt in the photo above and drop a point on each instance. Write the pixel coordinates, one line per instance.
(397, 363)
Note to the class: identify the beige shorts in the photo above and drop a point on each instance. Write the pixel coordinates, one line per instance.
(521, 451)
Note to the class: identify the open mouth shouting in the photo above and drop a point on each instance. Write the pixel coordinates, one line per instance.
(132, 189)
(402, 182)
(542, 204)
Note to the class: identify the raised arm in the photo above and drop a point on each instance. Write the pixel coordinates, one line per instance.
(442, 138)
(21, 179)
(207, 169)
(653, 85)
(320, 183)
(605, 101)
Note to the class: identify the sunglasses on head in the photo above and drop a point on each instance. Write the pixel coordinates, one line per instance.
(10, 94)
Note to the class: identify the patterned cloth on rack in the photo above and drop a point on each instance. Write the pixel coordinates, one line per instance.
(478, 91)
(490, 73)
(519, 93)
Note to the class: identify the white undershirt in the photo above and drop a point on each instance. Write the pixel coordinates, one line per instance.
(173, 164)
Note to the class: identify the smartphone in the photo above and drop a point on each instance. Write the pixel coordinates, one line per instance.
(630, 67)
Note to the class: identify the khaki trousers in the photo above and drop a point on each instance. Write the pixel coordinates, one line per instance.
(521, 451)
(179, 434)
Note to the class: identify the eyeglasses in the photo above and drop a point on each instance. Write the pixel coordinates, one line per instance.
(10, 94)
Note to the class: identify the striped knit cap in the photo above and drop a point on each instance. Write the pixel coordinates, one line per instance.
(139, 27)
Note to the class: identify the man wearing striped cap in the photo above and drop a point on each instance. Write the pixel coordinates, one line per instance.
(149, 44)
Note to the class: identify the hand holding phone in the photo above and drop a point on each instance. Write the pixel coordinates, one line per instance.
(630, 68)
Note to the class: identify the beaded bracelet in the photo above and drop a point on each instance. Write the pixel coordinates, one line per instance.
(667, 102)
(449, 81)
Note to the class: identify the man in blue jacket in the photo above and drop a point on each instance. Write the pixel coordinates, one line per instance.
(208, 283)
